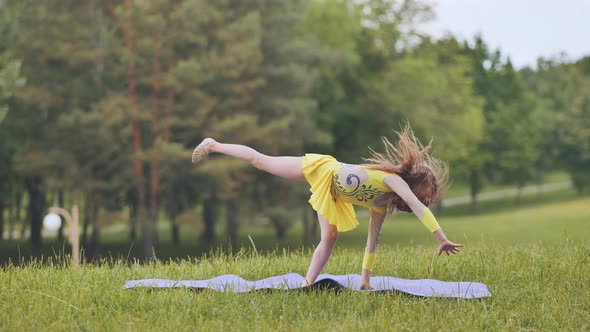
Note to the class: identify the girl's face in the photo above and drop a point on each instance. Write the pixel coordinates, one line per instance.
(424, 187)
(423, 184)
(424, 193)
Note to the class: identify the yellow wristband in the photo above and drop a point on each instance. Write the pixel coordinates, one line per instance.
(429, 221)
(369, 260)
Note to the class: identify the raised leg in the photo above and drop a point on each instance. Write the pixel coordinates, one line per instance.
(329, 236)
(285, 167)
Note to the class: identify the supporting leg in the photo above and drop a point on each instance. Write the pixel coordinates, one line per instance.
(329, 236)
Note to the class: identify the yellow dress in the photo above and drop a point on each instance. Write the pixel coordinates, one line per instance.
(332, 199)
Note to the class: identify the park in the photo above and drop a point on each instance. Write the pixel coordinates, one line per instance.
(103, 102)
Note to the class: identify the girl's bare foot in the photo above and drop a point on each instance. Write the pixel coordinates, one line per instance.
(202, 150)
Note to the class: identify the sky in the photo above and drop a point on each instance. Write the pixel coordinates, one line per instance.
(521, 29)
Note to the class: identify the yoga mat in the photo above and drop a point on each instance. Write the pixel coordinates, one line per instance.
(292, 281)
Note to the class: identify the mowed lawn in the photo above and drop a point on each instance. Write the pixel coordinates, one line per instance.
(535, 261)
(547, 221)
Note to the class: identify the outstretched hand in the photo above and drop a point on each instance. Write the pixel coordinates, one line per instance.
(448, 247)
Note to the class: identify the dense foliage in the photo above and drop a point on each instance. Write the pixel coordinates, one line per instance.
(101, 103)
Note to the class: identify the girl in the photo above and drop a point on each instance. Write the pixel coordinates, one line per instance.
(405, 178)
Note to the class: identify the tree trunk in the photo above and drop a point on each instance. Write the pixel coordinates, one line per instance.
(36, 210)
(175, 231)
(15, 212)
(127, 28)
(60, 203)
(94, 249)
(281, 229)
(231, 224)
(310, 225)
(209, 217)
(138, 163)
(25, 220)
(519, 189)
(87, 218)
(1, 219)
(132, 221)
(168, 119)
(11, 220)
(166, 138)
(169, 98)
(474, 187)
(155, 169)
(306, 225)
(314, 224)
(280, 221)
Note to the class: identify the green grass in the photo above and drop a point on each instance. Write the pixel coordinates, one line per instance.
(460, 188)
(548, 219)
(534, 256)
(534, 288)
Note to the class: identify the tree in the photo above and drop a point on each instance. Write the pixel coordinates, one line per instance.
(574, 137)
(215, 79)
(512, 140)
(431, 87)
(10, 80)
(573, 125)
(284, 105)
(57, 81)
(333, 27)
(125, 21)
(366, 38)
(507, 152)
(546, 85)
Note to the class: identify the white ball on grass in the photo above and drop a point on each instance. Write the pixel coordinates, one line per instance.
(52, 222)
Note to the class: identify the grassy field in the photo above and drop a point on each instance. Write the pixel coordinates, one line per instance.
(458, 188)
(546, 219)
(534, 288)
(534, 256)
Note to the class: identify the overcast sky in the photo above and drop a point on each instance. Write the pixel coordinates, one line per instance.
(522, 29)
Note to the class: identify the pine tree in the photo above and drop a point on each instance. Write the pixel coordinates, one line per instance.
(58, 81)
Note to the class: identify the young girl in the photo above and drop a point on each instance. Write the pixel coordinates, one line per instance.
(405, 178)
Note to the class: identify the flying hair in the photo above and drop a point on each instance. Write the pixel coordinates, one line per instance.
(427, 176)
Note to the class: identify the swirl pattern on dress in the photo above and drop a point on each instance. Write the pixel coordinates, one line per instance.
(361, 192)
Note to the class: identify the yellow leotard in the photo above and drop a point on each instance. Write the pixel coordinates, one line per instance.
(333, 197)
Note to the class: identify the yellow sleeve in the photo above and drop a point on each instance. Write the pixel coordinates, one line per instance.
(429, 221)
(369, 260)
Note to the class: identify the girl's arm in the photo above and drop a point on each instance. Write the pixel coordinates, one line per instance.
(371, 249)
(401, 188)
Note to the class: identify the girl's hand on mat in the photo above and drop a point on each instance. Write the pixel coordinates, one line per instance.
(366, 280)
(448, 247)
(365, 285)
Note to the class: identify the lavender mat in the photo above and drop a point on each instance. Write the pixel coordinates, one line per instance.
(233, 283)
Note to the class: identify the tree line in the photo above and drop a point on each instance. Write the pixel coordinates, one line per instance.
(102, 102)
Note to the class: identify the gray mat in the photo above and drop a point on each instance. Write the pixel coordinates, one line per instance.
(292, 281)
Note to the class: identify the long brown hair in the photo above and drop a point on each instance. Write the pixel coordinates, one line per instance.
(427, 176)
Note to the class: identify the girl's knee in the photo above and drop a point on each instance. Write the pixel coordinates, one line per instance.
(259, 161)
(330, 235)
